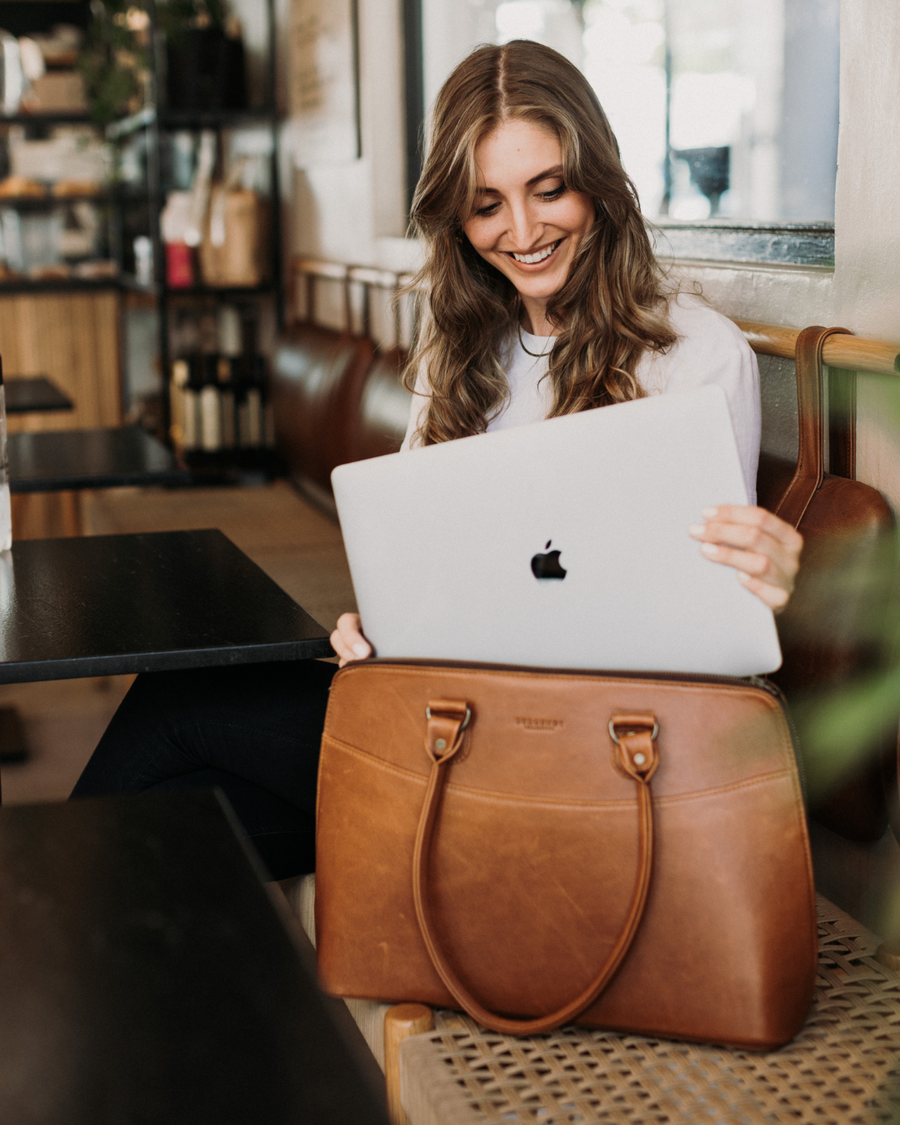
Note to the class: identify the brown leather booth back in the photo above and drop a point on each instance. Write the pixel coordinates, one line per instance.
(826, 631)
(829, 630)
(384, 408)
(317, 381)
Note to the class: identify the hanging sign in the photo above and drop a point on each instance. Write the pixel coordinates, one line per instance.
(323, 83)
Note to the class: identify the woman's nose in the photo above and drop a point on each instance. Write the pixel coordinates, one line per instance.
(524, 227)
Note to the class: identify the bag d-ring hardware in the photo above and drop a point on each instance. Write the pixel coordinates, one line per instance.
(465, 722)
(615, 737)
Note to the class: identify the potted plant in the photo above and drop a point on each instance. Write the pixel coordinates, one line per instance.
(115, 59)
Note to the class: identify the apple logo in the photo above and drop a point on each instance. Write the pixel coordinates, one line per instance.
(547, 565)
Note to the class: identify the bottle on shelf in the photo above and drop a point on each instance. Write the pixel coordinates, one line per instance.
(251, 403)
(178, 392)
(228, 373)
(191, 400)
(179, 257)
(185, 343)
(210, 405)
(5, 507)
(228, 328)
(243, 406)
(262, 378)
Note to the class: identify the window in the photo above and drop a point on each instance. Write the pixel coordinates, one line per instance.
(726, 111)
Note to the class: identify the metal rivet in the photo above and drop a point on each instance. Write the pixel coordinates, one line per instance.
(440, 744)
(639, 759)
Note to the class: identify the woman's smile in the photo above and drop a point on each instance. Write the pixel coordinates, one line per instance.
(536, 257)
(527, 222)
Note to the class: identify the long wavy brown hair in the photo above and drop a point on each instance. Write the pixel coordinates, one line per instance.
(612, 306)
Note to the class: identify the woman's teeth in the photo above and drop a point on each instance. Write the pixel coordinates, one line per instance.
(533, 259)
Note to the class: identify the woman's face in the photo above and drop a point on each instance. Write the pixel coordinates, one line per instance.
(526, 222)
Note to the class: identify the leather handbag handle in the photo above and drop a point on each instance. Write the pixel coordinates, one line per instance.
(810, 470)
(638, 756)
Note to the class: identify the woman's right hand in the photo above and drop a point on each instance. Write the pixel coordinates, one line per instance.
(348, 641)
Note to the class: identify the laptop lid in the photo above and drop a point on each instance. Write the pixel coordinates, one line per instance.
(561, 544)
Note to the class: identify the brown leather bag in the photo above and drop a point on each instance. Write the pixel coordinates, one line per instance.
(829, 631)
(628, 851)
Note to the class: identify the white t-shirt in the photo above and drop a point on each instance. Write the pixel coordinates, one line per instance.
(710, 349)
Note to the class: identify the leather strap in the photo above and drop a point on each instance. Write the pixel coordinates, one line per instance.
(637, 755)
(810, 470)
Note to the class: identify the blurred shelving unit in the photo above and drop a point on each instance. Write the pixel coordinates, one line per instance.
(64, 312)
(163, 142)
(59, 292)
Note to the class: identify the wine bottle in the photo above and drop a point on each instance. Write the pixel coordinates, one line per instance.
(227, 372)
(210, 405)
(261, 379)
(242, 403)
(191, 402)
(177, 393)
(230, 347)
(5, 507)
(256, 419)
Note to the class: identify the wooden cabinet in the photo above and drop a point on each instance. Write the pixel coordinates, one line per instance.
(74, 339)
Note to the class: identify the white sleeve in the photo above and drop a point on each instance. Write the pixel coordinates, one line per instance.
(711, 349)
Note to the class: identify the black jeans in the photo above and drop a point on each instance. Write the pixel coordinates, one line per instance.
(252, 730)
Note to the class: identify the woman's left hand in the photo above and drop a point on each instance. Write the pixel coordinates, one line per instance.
(763, 549)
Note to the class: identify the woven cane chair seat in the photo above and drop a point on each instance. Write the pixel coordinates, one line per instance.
(842, 1068)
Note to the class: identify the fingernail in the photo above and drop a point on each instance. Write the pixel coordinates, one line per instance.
(742, 577)
(697, 530)
(709, 513)
(361, 649)
(710, 550)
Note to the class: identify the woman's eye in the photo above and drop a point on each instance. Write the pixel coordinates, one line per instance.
(554, 193)
(488, 209)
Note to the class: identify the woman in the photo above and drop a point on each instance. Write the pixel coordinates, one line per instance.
(544, 298)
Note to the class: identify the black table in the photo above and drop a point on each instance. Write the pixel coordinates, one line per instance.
(108, 604)
(146, 977)
(103, 458)
(34, 393)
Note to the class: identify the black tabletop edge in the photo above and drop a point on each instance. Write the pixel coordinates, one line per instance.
(123, 480)
(349, 1030)
(297, 636)
(35, 394)
(312, 648)
(95, 457)
(145, 951)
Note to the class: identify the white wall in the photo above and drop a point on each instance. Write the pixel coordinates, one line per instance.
(350, 212)
(341, 210)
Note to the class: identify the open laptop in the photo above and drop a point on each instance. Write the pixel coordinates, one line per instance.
(561, 544)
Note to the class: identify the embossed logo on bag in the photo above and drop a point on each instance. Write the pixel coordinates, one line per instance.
(546, 725)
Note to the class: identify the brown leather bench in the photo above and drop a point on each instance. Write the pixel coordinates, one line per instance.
(317, 382)
(383, 408)
(335, 396)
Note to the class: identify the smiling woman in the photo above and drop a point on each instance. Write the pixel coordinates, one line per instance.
(521, 156)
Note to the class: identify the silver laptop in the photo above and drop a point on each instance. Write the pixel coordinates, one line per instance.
(562, 544)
